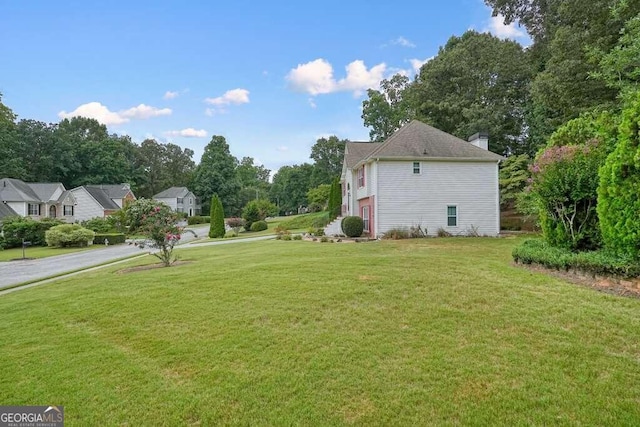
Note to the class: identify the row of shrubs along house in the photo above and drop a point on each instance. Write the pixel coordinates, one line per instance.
(52, 200)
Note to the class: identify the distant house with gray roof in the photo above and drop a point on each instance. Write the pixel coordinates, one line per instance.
(180, 199)
(99, 201)
(422, 176)
(36, 200)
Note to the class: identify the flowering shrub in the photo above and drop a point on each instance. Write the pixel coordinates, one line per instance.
(564, 183)
(236, 224)
(160, 226)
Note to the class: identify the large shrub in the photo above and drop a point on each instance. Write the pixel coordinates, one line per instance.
(68, 235)
(216, 228)
(619, 191)
(99, 225)
(134, 213)
(257, 210)
(17, 228)
(352, 226)
(259, 226)
(197, 219)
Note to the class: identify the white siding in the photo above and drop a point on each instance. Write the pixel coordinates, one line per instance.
(86, 207)
(172, 202)
(362, 192)
(349, 199)
(19, 207)
(405, 199)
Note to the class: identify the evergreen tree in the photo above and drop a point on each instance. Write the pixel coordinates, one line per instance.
(216, 229)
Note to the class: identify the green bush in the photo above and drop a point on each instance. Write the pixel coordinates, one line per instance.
(324, 239)
(66, 235)
(99, 225)
(352, 226)
(602, 262)
(618, 195)
(17, 228)
(257, 210)
(113, 238)
(1, 242)
(198, 219)
(259, 226)
(217, 228)
(286, 237)
(297, 237)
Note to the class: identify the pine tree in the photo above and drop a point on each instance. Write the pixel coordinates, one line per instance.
(216, 229)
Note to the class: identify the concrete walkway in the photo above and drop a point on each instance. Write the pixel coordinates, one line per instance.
(15, 272)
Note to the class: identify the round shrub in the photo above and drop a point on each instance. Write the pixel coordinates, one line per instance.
(352, 226)
(66, 235)
(259, 226)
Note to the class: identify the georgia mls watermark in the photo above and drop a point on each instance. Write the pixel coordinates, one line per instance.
(31, 416)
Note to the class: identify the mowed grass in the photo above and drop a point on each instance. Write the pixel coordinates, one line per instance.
(41, 252)
(423, 332)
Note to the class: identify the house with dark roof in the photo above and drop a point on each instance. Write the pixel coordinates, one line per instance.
(36, 200)
(180, 199)
(99, 201)
(422, 176)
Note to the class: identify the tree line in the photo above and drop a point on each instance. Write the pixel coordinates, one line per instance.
(81, 151)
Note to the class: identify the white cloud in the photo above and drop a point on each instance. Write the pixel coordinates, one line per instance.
(401, 41)
(170, 95)
(316, 77)
(95, 110)
(282, 148)
(230, 97)
(312, 103)
(498, 28)
(187, 133)
(416, 64)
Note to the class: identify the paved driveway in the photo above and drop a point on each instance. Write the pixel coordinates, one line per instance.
(14, 272)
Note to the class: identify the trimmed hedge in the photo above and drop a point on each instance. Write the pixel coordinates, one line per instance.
(352, 226)
(16, 228)
(535, 251)
(69, 235)
(259, 226)
(198, 219)
(114, 238)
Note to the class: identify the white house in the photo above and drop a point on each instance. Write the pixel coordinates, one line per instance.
(180, 199)
(36, 200)
(99, 201)
(423, 176)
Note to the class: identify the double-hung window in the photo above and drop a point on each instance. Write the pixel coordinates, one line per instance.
(452, 216)
(68, 210)
(416, 168)
(34, 209)
(361, 177)
(365, 217)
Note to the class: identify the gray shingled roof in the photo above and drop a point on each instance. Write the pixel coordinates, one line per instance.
(418, 140)
(6, 211)
(356, 151)
(14, 190)
(100, 194)
(172, 193)
(44, 190)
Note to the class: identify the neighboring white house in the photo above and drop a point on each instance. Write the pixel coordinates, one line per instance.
(99, 201)
(36, 200)
(423, 176)
(180, 199)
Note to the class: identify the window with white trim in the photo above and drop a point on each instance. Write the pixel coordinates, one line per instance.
(34, 209)
(190, 200)
(452, 216)
(416, 168)
(68, 210)
(365, 217)
(361, 177)
(180, 200)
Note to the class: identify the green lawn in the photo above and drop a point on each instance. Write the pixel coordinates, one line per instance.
(433, 331)
(41, 252)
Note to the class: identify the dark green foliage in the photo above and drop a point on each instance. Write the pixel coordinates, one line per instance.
(514, 176)
(335, 200)
(2, 242)
(217, 229)
(319, 197)
(99, 225)
(352, 226)
(17, 228)
(327, 154)
(257, 210)
(69, 235)
(290, 187)
(536, 251)
(113, 238)
(259, 226)
(198, 219)
(618, 194)
(387, 109)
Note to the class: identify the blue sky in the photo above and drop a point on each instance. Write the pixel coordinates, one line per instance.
(271, 77)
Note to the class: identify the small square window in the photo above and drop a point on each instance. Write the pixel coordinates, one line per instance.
(452, 216)
(416, 168)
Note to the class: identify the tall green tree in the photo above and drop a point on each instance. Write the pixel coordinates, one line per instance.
(388, 109)
(477, 82)
(162, 166)
(327, 154)
(216, 174)
(216, 229)
(11, 163)
(290, 186)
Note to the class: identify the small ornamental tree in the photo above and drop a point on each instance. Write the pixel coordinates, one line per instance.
(257, 210)
(618, 193)
(160, 226)
(216, 228)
